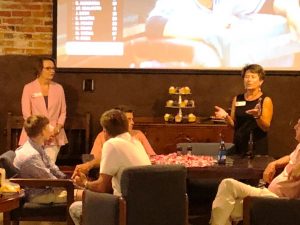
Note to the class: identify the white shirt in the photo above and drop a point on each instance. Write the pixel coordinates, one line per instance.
(120, 152)
(281, 185)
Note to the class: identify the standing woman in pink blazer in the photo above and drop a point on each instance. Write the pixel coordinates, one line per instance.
(46, 97)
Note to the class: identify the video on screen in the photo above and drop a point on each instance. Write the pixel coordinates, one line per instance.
(177, 34)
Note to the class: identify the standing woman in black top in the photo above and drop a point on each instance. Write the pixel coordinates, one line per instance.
(251, 112)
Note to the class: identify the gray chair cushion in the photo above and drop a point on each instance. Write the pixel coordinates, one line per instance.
(154, 194)
(100, 209)
(6, 162)
(272, 211)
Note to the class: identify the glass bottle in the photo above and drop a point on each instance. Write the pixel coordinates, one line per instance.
(189, 150)
(179, 150)
(250, 153)
(222, 152)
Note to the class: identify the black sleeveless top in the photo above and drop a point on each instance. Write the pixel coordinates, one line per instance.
(244, 124)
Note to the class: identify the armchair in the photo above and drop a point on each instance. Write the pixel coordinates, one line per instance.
(31, 211)
(150, 195)
(271, 211)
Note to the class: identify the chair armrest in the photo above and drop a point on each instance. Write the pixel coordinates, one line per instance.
(100, 208)
(41, 183)
(271, 211)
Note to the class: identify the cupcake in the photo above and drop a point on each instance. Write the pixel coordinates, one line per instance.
(172, 90)
(187, 90)
(169, 103)
(178, 118)
(191, 103)
(191, 118)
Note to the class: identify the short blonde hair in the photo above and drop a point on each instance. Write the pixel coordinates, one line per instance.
(35, 124)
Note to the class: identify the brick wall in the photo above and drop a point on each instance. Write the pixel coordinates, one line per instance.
(26, 27)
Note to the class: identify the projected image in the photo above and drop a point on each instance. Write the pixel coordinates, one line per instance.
(178, 34)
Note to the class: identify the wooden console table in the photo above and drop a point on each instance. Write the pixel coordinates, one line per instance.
(163, 136)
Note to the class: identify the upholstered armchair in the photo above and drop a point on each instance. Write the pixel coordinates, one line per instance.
(271, 211)
(154, 194)
(31, 211)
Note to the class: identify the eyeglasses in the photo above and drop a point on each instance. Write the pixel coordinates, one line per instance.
(49, 68)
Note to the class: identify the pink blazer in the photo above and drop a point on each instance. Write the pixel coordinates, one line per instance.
(33, 103)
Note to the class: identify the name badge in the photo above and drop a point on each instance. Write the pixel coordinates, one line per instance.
(37, 94)
(241, 103)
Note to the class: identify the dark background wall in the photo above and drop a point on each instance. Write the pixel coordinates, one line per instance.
(148, 92)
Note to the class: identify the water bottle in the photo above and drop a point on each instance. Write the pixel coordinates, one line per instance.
(189, 150)
(250, 153)
(179, 150)
(222, 152)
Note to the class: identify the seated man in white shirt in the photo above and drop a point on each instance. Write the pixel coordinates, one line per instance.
(119, 151)
(100, 139)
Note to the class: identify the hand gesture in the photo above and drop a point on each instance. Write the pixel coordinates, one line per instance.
(269, 173)
(256, 111)
(56, 131)
(80, 179)
(220, 113)
(82, 168)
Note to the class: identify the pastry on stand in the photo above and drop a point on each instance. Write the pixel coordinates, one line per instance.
(181, 104)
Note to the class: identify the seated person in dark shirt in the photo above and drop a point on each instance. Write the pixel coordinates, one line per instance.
(33, 162)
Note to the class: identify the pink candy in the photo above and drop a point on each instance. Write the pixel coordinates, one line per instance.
(186, 160)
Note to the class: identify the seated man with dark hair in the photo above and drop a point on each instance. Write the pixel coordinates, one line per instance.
(120, 150)
(228, 204)
(33, 162)
(100, 139)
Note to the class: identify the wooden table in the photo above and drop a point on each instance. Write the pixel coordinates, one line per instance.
(10, 201)
(236, 167)
(163, 136)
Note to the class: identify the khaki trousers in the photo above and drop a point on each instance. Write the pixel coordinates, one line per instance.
(228, 204)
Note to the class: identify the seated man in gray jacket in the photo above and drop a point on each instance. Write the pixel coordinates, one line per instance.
(33, 162)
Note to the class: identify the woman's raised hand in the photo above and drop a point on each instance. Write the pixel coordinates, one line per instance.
(220, 113)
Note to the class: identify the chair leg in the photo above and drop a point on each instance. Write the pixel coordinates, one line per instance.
(6, 218)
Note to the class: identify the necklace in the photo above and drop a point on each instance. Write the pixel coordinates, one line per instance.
(252, 96)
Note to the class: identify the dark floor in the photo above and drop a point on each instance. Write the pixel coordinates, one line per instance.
(34, 222)
(201, 193)
(199, 215)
